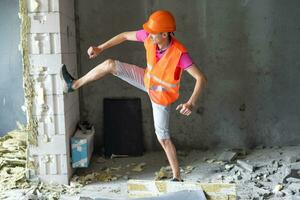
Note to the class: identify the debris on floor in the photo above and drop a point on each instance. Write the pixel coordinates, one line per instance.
(13, 160)
(13, 170)
(272, 166)
(139, 167)
(40, 190)
(267, 178)
(166, 172)
(246, 165)
(150, 188)
(228, 156)
(188, 169)
(163, 173)
(104, 176)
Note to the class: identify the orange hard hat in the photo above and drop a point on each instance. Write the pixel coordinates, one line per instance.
(160, 21)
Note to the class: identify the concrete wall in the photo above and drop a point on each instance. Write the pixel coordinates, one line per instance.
(248, 49)
(11, 80)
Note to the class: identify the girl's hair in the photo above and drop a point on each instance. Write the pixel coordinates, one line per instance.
(170, 34)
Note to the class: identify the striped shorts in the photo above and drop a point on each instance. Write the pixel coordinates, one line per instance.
(134, 75)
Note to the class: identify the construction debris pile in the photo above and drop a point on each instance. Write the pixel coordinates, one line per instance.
(265, 173)
(278, 178)
(13, 166)
(106, 174)
(42, 191)
(13, 160)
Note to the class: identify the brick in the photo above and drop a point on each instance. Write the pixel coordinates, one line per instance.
(51, 23)
(51, 84)
(54, 145)
(227, 156)
(53, 105)
(246, 165)
(45, 23)
(43, 6)
(53, 166)
(52, 63)
(51, 43)
(51, 125)
(59, 179)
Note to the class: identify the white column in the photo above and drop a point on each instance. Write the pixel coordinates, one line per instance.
(52, 43)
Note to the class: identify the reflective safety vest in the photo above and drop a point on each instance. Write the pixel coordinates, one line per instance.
(162, 78)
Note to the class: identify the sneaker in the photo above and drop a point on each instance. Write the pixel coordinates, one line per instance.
(176, 180)
(68, 79)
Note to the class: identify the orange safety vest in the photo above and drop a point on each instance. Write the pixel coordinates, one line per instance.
(160, 77)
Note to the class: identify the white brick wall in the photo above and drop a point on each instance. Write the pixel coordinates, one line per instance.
(49, 63)
(51, 125)
(48, 23)
(46, 147)
(52, 42)
(65, 7)
(35, 6)
(50, 83)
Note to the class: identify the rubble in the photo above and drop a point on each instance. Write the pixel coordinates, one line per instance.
(277, 188)
(163, 173)
(210, 160)
(263, 192)
(228, 167)
(259, 183)
(295, 188)
(188, 169)
(166, 172)
(139, 167)
(99, 159)
(104, 176)
(13, 160)
(292, 159)
(246, 165)
(241, 153)
(13, 168)
(227, 156)
(280, 194)
(293, 176)
(260, 175)
(39, 190)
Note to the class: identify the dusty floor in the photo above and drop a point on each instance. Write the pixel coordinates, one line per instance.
(271, 166)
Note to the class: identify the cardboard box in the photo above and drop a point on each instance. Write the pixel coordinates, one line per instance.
(82, 148)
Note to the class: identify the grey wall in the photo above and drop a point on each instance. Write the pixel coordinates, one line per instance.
(249, 51)
(11, 88)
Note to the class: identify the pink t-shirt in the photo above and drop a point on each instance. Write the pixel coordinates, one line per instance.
(185, 60)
